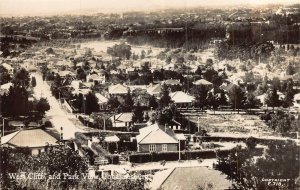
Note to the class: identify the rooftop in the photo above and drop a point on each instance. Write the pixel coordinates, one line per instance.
(29, 138)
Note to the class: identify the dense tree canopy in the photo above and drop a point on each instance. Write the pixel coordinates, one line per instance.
(120, 50)
(21, 78)
(280, 161)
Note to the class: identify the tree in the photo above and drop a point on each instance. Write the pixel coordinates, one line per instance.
(50, 51)
(15, 103)
(212, 100)
(33, 82)
(42, 106)
(251, 143)
(289, 94)
(290, 70)
(168, 60)
(165, 99)
(237, 98)
(143, 54)
(201, 97)
(120, 50)
(91, 103)
(281, 122)
(153, 102)
(272, 98)
(113, 102)
(280, 161)
(209, 62)
(222, 98)
(4, 75)
(21, 78)
(128, 102)
(198, 71)
(251, 101)
(138, 114)
(81, 74)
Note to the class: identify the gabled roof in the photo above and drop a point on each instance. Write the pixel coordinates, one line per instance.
(202, 82)
(29, 138)
(181, 97)
(117, 89)
(154, 89)
(101, 99)
(153, 134)
(123, 117)
(201, 176)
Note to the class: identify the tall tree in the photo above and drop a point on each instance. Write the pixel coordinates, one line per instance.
(237, 97)
(281, 122)
(289, 94)
(212, 101)
(128, 102)
(15, 103)
(91, 103)
(21, 78)
(42, 106)
(251, 101)
(33, 81)
(165, 99)
(113, 103)
(272, 98)
(222, 99)
(138, 114)
(201, 97)
(153, 102)
(280, 161)
(4, 75)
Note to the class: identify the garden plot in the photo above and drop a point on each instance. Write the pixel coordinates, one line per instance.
(233, 124)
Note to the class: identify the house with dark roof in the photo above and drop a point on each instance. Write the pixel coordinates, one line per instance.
(36, 140)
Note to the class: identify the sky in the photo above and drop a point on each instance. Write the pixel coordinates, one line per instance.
(40, 7)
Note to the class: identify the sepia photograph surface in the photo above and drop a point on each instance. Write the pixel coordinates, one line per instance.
(149, 95)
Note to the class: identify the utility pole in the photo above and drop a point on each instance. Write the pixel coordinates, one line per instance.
(3, 123)
(198, 125)
(179, 149)
(104, 124)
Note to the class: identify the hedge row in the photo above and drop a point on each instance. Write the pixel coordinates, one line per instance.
(174, 155)
(239, 139)
(112, 159)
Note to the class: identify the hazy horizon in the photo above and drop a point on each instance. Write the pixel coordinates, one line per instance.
(54, 7)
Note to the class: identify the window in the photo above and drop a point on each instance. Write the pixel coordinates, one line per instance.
(164, 147)
(152, 148)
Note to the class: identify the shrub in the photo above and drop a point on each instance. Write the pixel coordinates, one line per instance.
(112, 159)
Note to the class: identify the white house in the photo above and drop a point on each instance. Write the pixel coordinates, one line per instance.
(37, 140)
(182, 99)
